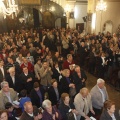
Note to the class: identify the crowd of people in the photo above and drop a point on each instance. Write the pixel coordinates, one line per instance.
(42, 74)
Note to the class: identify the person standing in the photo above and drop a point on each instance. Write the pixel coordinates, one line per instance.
(99, 96)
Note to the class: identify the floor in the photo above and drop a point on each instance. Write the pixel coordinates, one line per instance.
(113, 94)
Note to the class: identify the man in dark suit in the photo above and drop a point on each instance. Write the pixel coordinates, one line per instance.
(13, 79)
(37, 95)
(79, 77)
(27, 79)
(53, 92)
(3, 71)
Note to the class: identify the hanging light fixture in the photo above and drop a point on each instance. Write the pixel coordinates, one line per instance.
(8, 8)
(101, 6)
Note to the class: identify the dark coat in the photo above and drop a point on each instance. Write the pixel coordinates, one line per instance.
(1, 75)
(47, 116)
(56, 74)
(53, 96)
(78, 81)
(16, 85)
(64, 109)
(64, 85)
(35, 98)
(27, 85)
(105, 116)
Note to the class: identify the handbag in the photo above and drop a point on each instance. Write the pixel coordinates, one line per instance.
(72, 92)
(70, 115)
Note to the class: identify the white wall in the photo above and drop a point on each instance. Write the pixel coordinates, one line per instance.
(112, 13)
(80, 12)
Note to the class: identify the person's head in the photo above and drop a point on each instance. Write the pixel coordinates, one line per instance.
(47, 105)
(25, 70)
(23, 93)
(84, 92)
(45, 64)
(9, 107)
(25, 60)
(28, 107)
(55, 64)
(20, 55)
(24, 47)
(36, 86)
(65, 98)
(69, 57)
(38, 61)
(12, 71)
(28, 54)
(54, 83)
(57, 54)
(100, 83)
(37, 113)
(3, 115)
(77, 68)
(10, 60)
(5, 86)
(66, 72)
(1, 62)
(109, 106)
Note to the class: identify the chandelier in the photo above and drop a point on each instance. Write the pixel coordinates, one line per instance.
(101, 6)
(8, 8)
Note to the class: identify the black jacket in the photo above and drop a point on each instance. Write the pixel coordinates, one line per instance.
(53, 96)
(78, 81)
(35, 98)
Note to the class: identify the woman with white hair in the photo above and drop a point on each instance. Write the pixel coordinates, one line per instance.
(50, 113)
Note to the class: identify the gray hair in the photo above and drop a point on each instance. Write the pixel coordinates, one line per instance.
(4, 83)
(76, 66)
(68, 55)
(46, 103)
(100, 81)
(26, 104)
(11, 69)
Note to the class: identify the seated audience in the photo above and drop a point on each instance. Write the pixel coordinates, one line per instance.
(83, 104)
(66, 105)
(7, 95)
(50, 113)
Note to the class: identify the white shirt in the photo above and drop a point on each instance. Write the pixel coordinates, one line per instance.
(113, 117)
(13, 79)
(2, 70)
(103, 96)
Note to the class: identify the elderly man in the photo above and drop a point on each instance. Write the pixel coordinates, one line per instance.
(46, 75)
(7, 95)
(30, 112)
(83, 104)
(13, 79)
(99, 96)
